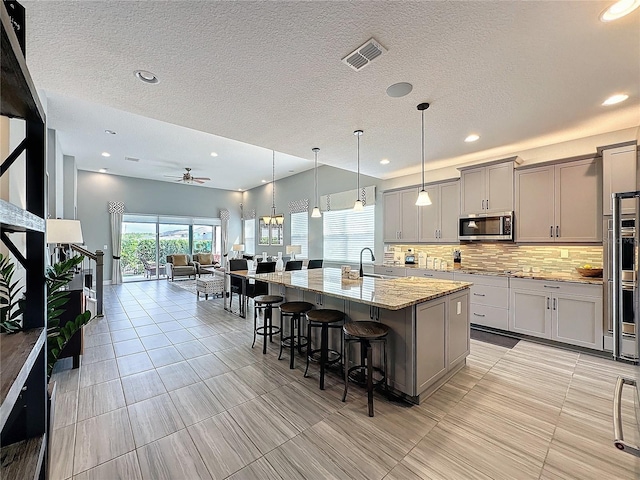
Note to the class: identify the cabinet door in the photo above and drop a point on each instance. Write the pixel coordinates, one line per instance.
(577, 320)
(409, 215)
(499, 196)
(578, 201)
(449, 211)
(431, 359)
(530, 313)
(619, 175)
(534, 205)
(391, 229)
(400, 349)
(458, 331)
(472, 191)
(430, 216)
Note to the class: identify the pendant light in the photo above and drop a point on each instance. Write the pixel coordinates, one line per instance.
(423, 196)
(358, 207)
(315, 213)
(273, 219)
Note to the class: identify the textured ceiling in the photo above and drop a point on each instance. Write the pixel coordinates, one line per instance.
(520, 74)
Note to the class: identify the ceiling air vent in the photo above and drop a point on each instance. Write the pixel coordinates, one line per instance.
(364, 55)
(132, 159)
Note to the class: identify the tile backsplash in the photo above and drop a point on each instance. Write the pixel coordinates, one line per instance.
(502, 256)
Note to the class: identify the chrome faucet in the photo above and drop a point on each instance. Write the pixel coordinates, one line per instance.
(373, 258)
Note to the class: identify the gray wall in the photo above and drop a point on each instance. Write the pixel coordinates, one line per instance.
(300, 186)
(95, 190)
(70, 196)
(55, 207)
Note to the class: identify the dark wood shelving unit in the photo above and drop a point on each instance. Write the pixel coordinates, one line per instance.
(23, 361)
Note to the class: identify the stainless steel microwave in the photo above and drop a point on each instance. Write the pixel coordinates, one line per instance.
(486, 226)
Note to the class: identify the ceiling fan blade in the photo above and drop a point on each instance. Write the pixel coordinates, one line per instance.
(179, 180)
(171, 176)
(197, 180)
(201, 178)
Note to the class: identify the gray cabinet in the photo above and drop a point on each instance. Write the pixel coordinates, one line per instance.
(560, 203)
(561, 311)
(438, 222)
(458, 334)
(390, 271)
(619, 174)
(487, 189)
(431, 336)
(489, 303)
(424, 273)
(401, 216)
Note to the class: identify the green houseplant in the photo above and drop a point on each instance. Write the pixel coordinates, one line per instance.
(10, 305)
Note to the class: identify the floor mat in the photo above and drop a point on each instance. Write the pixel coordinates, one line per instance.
(493, 338)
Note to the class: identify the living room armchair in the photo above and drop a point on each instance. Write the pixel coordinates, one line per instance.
(204, 260)
(180, 265)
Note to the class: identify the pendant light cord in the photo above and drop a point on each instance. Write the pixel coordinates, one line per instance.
(315, 175)
(358, 180)
(273, 184)
(423, 150)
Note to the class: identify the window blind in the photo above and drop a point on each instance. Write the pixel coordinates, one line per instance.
(300, 231)
(347, 232)
(250, 236)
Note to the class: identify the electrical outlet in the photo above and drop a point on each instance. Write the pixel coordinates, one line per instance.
(564, 253)
(459, 308)
(105, 247)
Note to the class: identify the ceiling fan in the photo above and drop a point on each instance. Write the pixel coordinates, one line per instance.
(188, 178)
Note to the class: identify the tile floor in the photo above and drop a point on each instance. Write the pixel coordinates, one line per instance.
(169, 388)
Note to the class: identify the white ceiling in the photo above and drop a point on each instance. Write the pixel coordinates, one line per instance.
(520, 74)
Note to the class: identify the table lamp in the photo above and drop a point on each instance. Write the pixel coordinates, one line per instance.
(293, 249)
(238, 247)
(63, 232)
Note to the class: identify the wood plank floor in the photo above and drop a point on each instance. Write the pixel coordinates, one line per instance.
(169, 388)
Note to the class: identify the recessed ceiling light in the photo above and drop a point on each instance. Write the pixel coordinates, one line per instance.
(399, 89)
(472, 138)
(103, 170)
(146, 77)
(384, 161)
(214, 154)
(239, 189)
(110, 132)
(106, 154)
(617, 98)
(263, 181)
(619, 10)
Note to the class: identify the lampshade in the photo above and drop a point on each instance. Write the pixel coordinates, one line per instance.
(423, 199)
(64, 231)
(315, 213)
(238, 247)
(358, 207)
(295, 249)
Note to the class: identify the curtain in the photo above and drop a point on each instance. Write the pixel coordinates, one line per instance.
(224, 218)
(116, 210)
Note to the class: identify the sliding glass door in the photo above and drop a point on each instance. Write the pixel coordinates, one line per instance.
(138, 257)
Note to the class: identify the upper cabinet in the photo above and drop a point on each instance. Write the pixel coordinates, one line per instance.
(401, 216)
(619, 166)
(438, 222)
(487, 189)
(560, 203)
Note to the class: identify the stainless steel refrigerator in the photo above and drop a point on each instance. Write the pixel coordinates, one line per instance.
(624, 306)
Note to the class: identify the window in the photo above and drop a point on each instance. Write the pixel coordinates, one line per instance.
(250, 236)
(300, 231)
(347, 232)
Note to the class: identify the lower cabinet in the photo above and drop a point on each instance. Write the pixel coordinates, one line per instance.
(560, 311)
(489, 299)
(458, 335)
(431, 336)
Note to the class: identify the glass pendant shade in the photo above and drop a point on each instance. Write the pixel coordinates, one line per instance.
(358, 207)
(423, 199)
(315, 213)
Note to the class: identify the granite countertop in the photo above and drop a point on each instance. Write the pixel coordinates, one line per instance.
(545, 276)
(387, 293)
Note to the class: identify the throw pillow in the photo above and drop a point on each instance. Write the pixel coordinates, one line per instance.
(180, 260)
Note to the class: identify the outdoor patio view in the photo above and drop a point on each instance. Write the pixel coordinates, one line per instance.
(145, 246)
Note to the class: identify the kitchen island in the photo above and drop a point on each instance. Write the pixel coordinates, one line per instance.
(429, 320)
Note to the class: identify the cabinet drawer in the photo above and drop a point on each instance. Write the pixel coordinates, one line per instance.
(490, 280)
(489, 316)
(490, 296)
(395, 271)
(550, 287)
(424, 273)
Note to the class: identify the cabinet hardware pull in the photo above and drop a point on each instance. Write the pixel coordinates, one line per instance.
(479, 294)
(557, 231)
(617, 418)
(551, 286)
(551, 231)
(427, 274)
(478, 314)
(555, 303)
(487, 204)
(482, 204)
(547, 303)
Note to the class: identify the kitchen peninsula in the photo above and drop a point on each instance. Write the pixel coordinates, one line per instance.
(429, 320)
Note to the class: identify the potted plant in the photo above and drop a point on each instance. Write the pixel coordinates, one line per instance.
(10, 305)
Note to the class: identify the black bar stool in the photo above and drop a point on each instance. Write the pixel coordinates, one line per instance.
(323, 319)
(365, 333)
(293, 311)
(266, 303)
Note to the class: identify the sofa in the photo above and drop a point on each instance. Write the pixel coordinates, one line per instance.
(205, 260)
(180, 265)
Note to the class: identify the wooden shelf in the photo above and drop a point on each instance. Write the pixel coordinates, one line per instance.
(23, 459)
(15, 219)
(19, 96)
(18, 353)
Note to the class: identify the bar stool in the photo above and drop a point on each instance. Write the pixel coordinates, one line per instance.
(323, 318)
(266, 303)
(365, 333)
(293, 311)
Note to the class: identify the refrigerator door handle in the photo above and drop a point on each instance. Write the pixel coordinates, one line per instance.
(617, 418)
